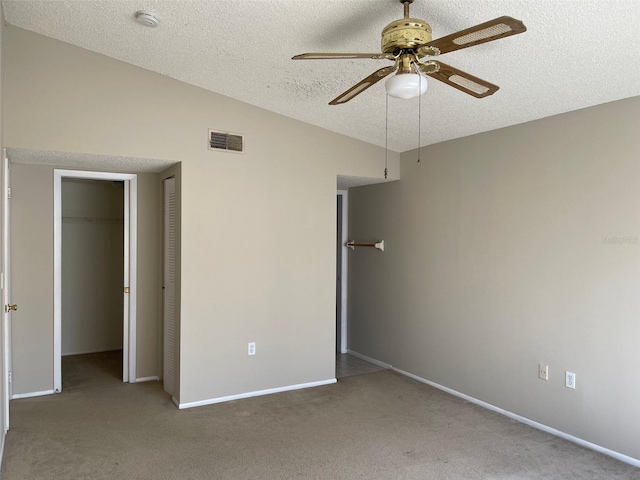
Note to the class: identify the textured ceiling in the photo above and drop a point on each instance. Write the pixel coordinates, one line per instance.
(101, 163)
(344, 182)
(575, 54)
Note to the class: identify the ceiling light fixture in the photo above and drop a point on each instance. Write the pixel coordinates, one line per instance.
(406, 85)
(146, 18)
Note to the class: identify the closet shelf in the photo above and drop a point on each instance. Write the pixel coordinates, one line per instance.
(109, 221)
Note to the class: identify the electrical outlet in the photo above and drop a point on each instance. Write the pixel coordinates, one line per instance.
(543, 371)
(570, 380)
(251, 350)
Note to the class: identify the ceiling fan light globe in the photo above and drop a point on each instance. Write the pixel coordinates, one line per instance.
(406, 85)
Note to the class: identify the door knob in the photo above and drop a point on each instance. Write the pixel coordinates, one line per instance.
(8, 308)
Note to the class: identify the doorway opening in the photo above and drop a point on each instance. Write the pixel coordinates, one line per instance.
(94, 277)
(92, 273)
(347, 362)
(341, 281)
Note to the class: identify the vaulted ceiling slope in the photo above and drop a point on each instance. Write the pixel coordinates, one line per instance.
(575, 54)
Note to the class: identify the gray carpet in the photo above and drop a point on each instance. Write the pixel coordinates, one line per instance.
(348, 365)
(91, 370)
(374, 426)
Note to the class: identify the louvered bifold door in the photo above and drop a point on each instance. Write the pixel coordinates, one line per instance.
(169, 288)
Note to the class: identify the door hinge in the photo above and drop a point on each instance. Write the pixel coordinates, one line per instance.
(9, 378)
(125, 290)
(9, 193)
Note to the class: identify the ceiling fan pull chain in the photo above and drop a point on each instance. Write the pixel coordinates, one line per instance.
(386, 134)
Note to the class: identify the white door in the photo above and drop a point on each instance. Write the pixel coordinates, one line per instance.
(6, 293)
(169, 285)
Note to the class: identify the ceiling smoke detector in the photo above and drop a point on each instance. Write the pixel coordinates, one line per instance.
(147, 19)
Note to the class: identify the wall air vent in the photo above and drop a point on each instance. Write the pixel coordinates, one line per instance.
(228, 142)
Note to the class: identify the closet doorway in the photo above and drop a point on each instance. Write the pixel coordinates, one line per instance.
(94, 294)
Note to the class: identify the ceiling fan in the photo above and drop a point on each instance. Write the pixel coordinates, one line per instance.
(407, 42)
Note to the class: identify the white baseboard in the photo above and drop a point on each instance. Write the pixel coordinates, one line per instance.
(619, 456)
(148, 379)
(611, 453)
(15, 396)
(369, 359)
(176, 402)
(258, 393)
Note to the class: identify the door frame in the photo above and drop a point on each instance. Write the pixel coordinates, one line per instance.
(6, 290)
(130, 269)
(343, 275)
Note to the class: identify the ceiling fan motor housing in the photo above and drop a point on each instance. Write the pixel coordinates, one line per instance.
(408, 33)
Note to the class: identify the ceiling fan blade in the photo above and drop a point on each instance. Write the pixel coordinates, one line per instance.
(461, 80)
(485, 32)
(338, 56)
(361, 86)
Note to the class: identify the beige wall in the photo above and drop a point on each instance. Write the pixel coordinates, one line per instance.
(92, 265)
(258, 249)
(32, 277)
(507, 249)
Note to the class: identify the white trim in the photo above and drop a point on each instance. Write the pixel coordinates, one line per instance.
(57, 280)
(176, 402)
(125, 282)
(343, 274)
(130, 227)
(155, 378)
(369, 359)
(133, 276)
(6, 291)
(258, 393)
(619, 456)
(15, 396)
